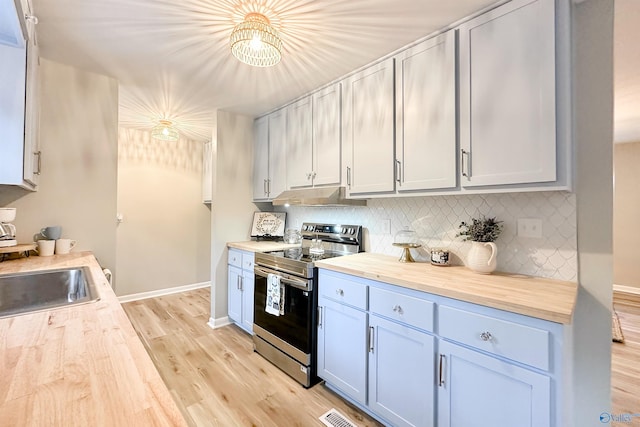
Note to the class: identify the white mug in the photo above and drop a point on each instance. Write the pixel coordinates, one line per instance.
(45, 247)
(64, 246)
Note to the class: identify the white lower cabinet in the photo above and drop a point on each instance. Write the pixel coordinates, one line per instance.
(411, 358)
(479, 390)
(400, 373)
(240, 282)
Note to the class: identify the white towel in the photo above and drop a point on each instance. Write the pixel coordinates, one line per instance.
(275, 295)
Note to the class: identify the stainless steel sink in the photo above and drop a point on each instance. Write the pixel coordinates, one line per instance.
(23, 293)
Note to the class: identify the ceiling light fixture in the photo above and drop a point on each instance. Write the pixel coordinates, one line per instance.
(255, 42)
(164, 131)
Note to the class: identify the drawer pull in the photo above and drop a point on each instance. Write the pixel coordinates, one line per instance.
(486, 336)
(397, 309)
(340, 292)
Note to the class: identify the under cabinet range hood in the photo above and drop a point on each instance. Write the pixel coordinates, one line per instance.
(321, 196)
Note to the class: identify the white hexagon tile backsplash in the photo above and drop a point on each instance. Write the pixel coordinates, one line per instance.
(436, 218)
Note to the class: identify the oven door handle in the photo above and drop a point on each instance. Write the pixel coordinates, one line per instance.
(300, 284)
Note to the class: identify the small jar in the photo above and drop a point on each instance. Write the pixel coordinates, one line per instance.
(439, 256)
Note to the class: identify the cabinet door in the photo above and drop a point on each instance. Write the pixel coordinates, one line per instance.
(207, 172)
(32, 154)
(327, 132)
(247, 300)
(277, 182)
(426, 115)
(261, 159)
(299, 144)
(401, 373)
(479, 390)
(370, 129)
(507, 95)
(342, 348)
(234, 282)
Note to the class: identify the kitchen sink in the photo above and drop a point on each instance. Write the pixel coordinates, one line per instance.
(23, 293)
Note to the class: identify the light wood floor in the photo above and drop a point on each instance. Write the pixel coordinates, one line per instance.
(625, 362)
(214, 375)
(217, 379)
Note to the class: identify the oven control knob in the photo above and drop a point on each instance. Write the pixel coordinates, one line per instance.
(352, 230)
(344, 230)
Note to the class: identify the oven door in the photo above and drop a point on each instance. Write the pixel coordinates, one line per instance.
(297, 325)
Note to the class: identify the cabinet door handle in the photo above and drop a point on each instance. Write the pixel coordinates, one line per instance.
(39, 154)
(313, 175)
(441, 371)
(465, 171)
(319, 317)
(371, 335)
(238, 285)
(398, 171)
(264, 187)
(268, 186)
(348, 176)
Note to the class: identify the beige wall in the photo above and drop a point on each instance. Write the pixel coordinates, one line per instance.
(164, 239)
(626, 214)
(78, 137)
(232, 209)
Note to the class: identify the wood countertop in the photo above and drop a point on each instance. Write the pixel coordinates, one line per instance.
(262, 246)
(78, 366)
(546, 299)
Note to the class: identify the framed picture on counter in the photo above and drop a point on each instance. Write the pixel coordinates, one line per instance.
(268, 225)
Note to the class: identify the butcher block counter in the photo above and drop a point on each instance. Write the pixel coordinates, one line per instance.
(546, 299)
(81, 365)
(261, 246)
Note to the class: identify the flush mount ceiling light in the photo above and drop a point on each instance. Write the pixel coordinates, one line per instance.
(255, 42)
(164, 131)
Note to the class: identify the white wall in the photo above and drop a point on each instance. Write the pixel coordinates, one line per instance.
(626, 213)
(231, 207)
(164, 240)
(78, 137)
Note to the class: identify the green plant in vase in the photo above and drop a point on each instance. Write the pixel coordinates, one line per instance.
(482, 232)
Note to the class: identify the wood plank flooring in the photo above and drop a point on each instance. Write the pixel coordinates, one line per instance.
(625, 362)
(217, 380)
(215, 377)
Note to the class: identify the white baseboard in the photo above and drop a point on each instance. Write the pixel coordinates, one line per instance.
(218, 323)
(162, 292)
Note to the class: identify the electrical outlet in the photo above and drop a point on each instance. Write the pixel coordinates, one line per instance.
(530, 227)
(385, 227)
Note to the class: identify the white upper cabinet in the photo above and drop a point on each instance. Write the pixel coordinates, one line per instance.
(32, 154)
(327, 132)
(508, 95)
(426, 115)
(12, 32)
(368, 130)
(269, 156)
(314, 139)
(261, 158)
(299, 143)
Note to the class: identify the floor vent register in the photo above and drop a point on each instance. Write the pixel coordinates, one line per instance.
(333, 418)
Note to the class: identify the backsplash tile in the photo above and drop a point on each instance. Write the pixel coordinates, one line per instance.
(436, 218)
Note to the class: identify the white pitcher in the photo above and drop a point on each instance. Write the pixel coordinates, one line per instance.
(482, 257)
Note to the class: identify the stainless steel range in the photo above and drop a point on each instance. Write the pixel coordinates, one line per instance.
(288, 336)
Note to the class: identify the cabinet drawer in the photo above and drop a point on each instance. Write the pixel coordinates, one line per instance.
(403, 308)
(343, 290)
(235, 258)
(510, 340)
(247, 260)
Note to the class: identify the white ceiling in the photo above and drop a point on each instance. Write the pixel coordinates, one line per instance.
(172, 58)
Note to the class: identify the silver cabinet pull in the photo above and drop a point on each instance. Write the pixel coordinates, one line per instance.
(340, 292)
(371, 334)
(268, 186)
(465, 171)
(39, 154)
(319, 317)
(441, 371)
(239, 283)
(348, 176)
(486, 336)
(264, 187)
(398, 309)
(398, 171)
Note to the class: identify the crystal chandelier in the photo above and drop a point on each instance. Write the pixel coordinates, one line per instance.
(164, 131)
(255, 42)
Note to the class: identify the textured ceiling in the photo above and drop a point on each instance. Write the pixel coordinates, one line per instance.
(172, 58)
